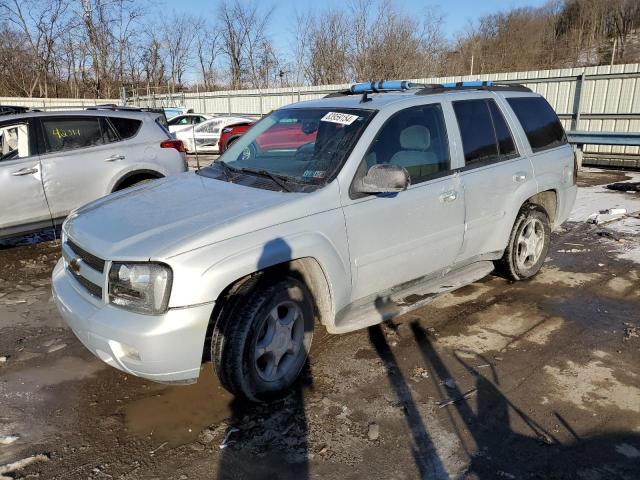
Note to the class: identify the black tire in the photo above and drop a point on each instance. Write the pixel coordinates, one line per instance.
(514, 263)
(242, 328)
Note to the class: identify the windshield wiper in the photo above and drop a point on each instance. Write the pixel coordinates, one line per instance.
(227, 169)
(278, 179)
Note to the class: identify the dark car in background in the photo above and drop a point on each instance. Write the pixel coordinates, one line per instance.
(12, 109)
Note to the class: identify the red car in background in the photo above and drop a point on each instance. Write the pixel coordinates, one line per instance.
(231, 133)
(282, 136)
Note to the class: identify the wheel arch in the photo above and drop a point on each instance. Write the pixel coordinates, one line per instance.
(548, 201)
(231, 139)
(135, 176)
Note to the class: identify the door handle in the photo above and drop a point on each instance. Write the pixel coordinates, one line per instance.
(449, 196)
(25, 171)
(114, 158)
(519, 177)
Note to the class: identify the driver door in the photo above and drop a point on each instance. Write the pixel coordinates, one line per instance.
(396, 238)
(23, 205)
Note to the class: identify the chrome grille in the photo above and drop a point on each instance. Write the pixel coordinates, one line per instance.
(85, 268)
(93, 289)
(91, 260)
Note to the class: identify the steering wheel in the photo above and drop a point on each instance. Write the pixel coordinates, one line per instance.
(304, 153)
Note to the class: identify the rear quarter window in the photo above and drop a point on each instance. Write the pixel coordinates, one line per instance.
(539, 122)
(126, 127)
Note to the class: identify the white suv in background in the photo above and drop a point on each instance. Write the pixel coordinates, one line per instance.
(204, 137)
(53, 162)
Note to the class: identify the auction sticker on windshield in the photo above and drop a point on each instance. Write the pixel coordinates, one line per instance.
(342, 118)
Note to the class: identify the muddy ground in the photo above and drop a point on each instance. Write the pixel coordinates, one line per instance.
(544, 376)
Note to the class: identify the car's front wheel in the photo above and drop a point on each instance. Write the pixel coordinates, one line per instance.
(260, 345)
(528, 244)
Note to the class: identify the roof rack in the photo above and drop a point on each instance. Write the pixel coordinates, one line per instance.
(123, 108)
(472, 85)
(424, 89)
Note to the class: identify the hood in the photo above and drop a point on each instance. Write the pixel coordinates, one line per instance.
(172, 215)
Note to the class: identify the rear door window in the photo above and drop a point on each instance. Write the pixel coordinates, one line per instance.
(506, 147)
(478, 138)
(69, 133)
(539, 121)
(485, 134)
(14, 141)
(126, 127)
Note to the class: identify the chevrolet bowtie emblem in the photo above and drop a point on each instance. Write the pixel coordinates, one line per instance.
(74, 265)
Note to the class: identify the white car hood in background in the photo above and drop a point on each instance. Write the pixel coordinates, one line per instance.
(170, 216)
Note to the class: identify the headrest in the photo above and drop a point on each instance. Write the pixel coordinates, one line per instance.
(415, 137)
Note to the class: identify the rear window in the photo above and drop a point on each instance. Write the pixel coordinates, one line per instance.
(539, 121)
(126, 127)
(68, 133)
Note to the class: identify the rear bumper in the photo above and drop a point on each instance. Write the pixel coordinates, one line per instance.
(164, 348)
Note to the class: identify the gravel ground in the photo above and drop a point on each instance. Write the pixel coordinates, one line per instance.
(537, 379)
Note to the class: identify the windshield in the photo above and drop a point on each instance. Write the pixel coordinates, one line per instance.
(299, 145)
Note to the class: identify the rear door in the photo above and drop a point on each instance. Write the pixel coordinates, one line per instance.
(497, 175)
(23, 205)
(81, 156)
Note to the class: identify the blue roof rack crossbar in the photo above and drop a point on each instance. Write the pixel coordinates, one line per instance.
(384, 85)
(381, 86)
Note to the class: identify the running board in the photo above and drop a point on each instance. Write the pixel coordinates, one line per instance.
(399, 300)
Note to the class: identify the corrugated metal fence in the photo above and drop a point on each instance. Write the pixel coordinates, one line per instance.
(604, 98)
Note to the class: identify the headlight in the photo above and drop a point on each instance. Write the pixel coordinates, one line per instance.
(140, 287)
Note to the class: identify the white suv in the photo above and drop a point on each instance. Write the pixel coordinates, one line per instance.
(386, 196)
(53, 162)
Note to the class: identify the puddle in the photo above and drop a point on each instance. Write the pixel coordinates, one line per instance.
(177, 414)
(66, 369)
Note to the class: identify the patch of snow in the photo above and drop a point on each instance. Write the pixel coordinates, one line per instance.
(593, 199)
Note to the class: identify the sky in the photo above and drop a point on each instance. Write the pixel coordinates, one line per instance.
(457, 13)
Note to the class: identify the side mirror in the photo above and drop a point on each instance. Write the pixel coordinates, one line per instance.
(383, 178)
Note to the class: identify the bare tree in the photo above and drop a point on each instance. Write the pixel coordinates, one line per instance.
(208, 51)
(178, 41)
(327, 55)
(245, 44)
(41, 22)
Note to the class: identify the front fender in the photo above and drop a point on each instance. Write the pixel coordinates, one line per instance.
(201, 275)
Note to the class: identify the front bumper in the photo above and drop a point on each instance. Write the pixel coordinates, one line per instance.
(164, 348)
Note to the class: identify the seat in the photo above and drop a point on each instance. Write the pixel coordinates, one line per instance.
(415, 156)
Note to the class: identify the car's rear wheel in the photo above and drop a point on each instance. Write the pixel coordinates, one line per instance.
(259, 347)
(528, 244)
